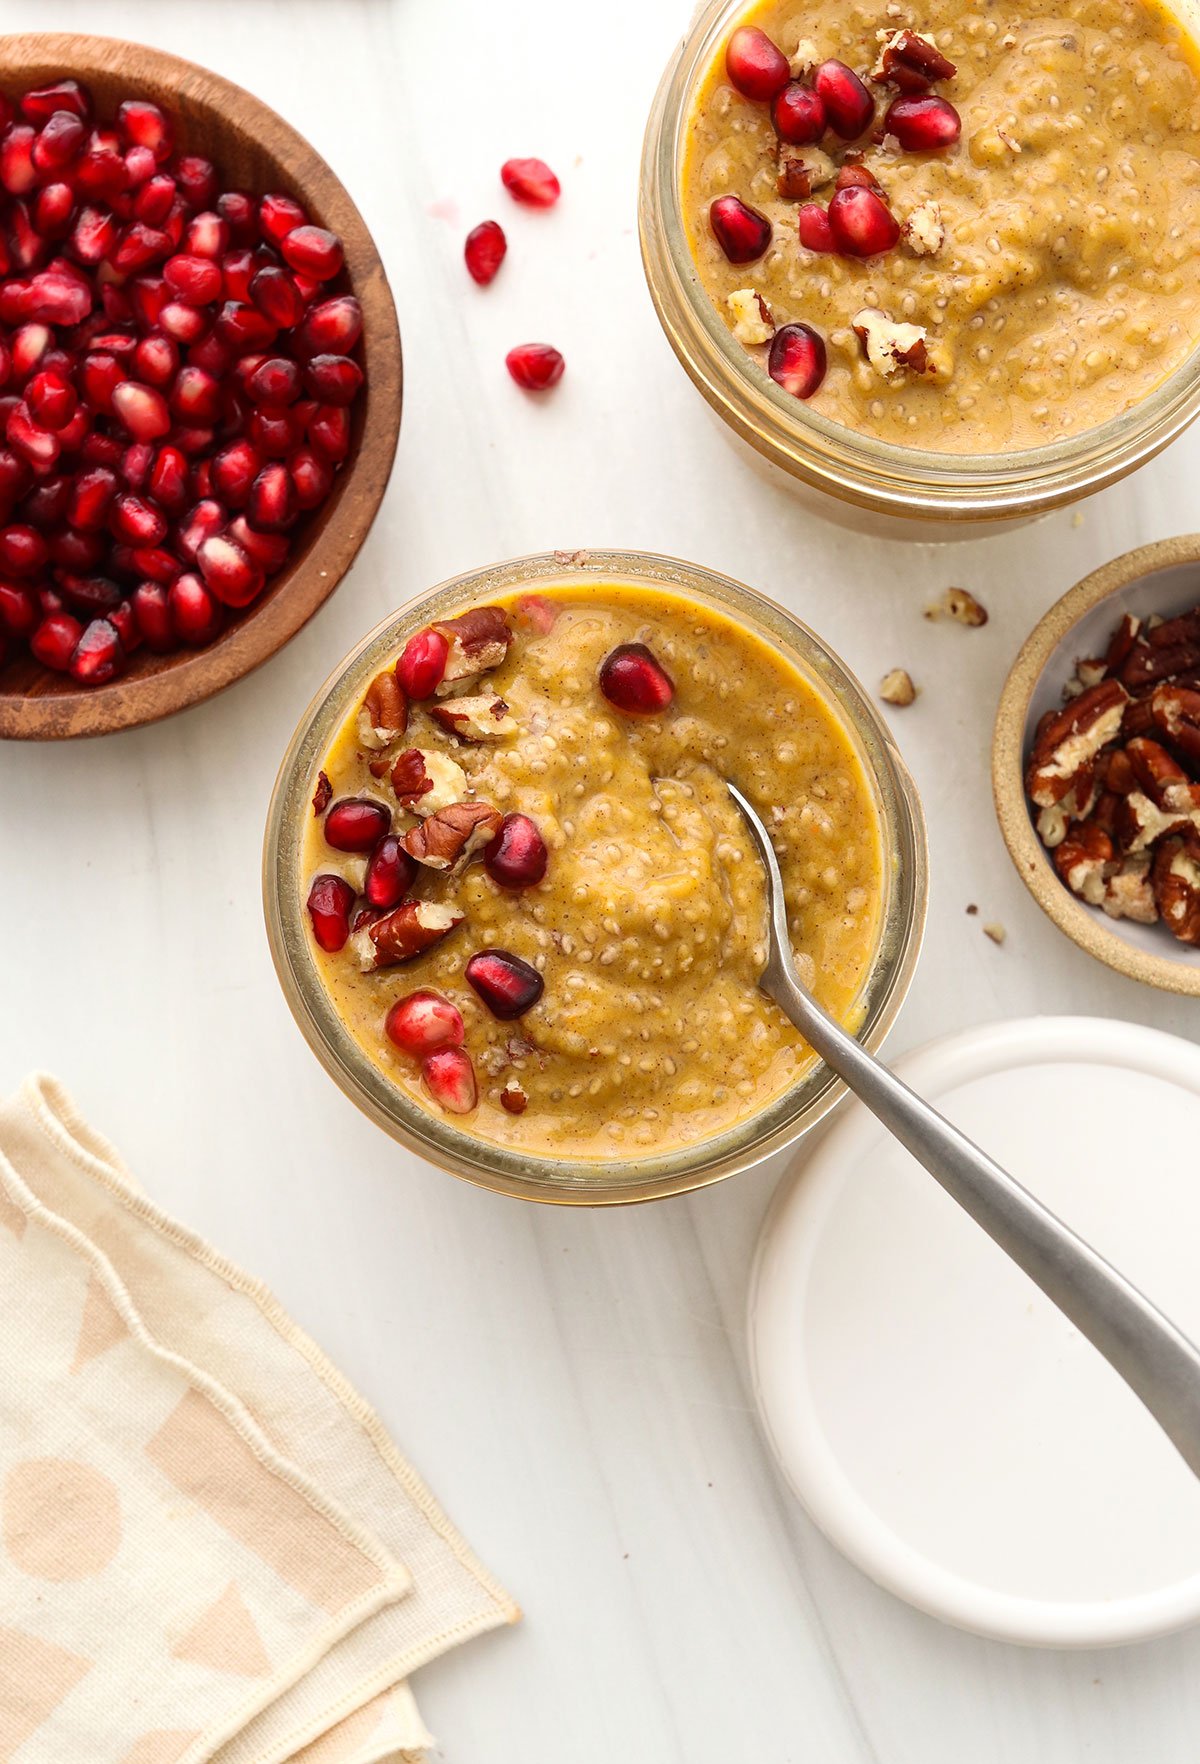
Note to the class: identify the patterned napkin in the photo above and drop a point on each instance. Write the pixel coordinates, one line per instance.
(209, 1547)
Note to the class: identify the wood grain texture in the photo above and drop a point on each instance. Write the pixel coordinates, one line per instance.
(253, 149)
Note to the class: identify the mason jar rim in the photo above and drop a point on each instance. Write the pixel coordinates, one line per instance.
(879, 475)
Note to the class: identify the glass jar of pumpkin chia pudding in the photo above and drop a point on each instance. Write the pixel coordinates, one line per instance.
(515, 911)
(942, 263)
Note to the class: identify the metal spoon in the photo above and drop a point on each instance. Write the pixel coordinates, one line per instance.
(1155, 1359)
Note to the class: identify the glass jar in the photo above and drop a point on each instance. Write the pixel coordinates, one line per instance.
(440, 1138)
(933, 494)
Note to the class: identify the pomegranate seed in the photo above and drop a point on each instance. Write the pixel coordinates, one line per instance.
(140, 167)
(334, 379)
(47, 503)
(126, 626)
(59, 296)
(329, 902)
(18, 609)
(59, 143)
(205, 519)
(168, 479)
(22, 550)
(332, 327)
(314, 250)
(923, 125)
(101, 171)
(356, 823)
(94, 595)
(100, 375)
(149, 296)
(517, 856)
(755, 65)
(52, 400)
(535, 366)
(39, 446)
(214, 356)
(742, 233)
(93, 235)
(799, 115)
(136, 462)
(196, 397)
(156, 360)
(276, 381)
(228, 571)
(797, 360)
(53, 211)
(238, 212)
(278, 216)
(145, 125)
(142, 410)
(155, 200)
(329, 430)
(450, 1080)
(92, 495)
(18, 173)
(137, 521)
(186, 324)
(29, 345)
(862, 224)
(195, 615)
(390, 873)
(207, 235)
(816, 234)
(15, 474)
(530, 181)
(424, 1022)
(632, 679)
(244, 327)
(139, 246)
(272, 506)
(151, 609)
(197, 180)
(196, 280)
(484, 251)
(422, 663)
(507, 985)
(56, 640)
(274, 292)
(312, 477)
(40, 104)
(848, 104)
(79, 553)
(269, 550)
(234, 469)
(98, 654)
(159, 565)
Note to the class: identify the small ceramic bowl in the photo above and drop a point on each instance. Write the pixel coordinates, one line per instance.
(1163, 578)
(253, 149)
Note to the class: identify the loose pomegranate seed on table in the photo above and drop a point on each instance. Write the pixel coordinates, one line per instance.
(177, 374)
(535, 366)
(531, 181)
(484, 251)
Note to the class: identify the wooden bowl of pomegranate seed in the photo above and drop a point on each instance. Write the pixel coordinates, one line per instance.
(1096, 764)
(200, 384)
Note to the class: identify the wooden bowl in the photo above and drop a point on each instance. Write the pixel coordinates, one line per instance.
(1162, 578)
(253, 149)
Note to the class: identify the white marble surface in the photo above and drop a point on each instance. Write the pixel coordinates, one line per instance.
(573, 1385)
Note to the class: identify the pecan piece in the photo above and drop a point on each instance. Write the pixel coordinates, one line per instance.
(322, 795)
(1176, 713)
(897, 688)
(890, 347)
(513, 1098)
(1148, 662)
(475, 719)
(752, 321)
(412, 928)
(1070, 739)
(1177, 887)
(425, 781)
(924, 231)
(1084, 861)
(958, 604)
(478, 640)
(909, 62)
(1129, 893)
(453, 834)
(384, 714)
(1164, 781)
(1120, 643)
(798, 177)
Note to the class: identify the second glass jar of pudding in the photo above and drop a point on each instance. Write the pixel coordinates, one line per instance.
(1076, 179)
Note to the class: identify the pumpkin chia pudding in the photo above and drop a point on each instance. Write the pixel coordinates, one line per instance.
(970, 228)
(533, 903)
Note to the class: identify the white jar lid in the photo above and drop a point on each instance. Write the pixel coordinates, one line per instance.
(942, 1422)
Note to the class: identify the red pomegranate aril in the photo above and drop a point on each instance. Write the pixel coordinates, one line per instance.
(390, 873)
(51, 399)
(149, 295)
(848, 104)
(100, 375)
(152, 611)
(534, 366)
(144, 125)
(742, 233)
(275, 382)
(422, 663)
(274, 292)
(206, 518)
(214, 357)
(59, 295)
(168, 479)
(93, 235)
(138, 246)
(18, 174)
(29, 345)
(314, 250)
(156, 360)
(137, 521)
(79, 553)
(196, 616)
(799, 115)
(55, 641)
(40, 104)
(331, 327)
(923, 124)
(274, 432)
(797, 360)
(449, 1078)
(207, 235)
(196, 397)
(272, 506)
(517, 856)
(329, 430)
(94, 595)
(196, 280)
(228, 571)
(311, 475)
(755, 65)
(91, 497)
(98, 656)
(330, 900)
(234, 469)
(862, 223)
(244, 327)
(531, 182)
(816, 234)
(634, 680)
(22, 550)
(41, 447)
(59, 143)
(143, 411)
(46, 505)
(238, 212)
(155, 563)
(507, 985)
(484, 251)
(184, 323)
(278, 216)
(356, 823)
(53, 211)
(15, 475)
(155, 200)
(197, 180)
(423, 1023)
(269, 550)
(136, 461)
(19, 612)
(27, 250)
(333, 379)
(126, 626)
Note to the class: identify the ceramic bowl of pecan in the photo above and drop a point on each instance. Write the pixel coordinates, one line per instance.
(1097, 764)
(511, 902)
(199, 384)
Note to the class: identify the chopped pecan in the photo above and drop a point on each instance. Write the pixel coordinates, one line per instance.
(1148, 662)
(322, 795)
(959, 604)
(1176, 713)
(897, 688)
(425, 781)
(1120, 643)
(890, 347)
(384, 714)
(453, 834)
(513, 1098)
(909, 62)
(475, 719)
(799, 177)
(1129, 893)
(478, 640)
(804, 58)
(1177, 888)
(1084, 861)
(752, 321)
(1070, 739)
(924, 231)
(414, 927)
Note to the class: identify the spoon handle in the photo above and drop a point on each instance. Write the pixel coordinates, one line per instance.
(1154, 1358)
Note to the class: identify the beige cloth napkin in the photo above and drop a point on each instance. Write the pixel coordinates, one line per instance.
(210, 1549)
